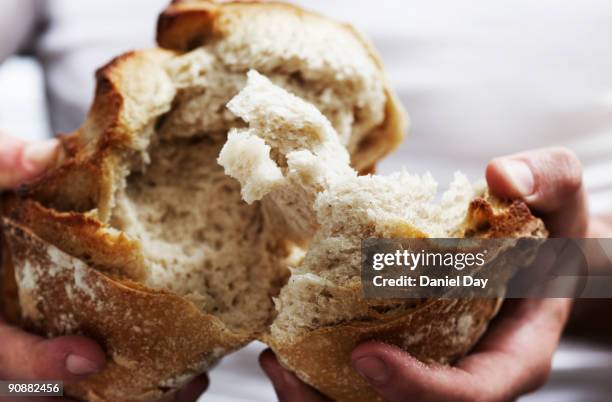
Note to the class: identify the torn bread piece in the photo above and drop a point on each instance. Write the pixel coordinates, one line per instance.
(138, 197)
(321, 313)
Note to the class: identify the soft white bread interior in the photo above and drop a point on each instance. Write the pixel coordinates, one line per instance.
(138, 201)
(313, 186)
(329, 64)
(137, 237)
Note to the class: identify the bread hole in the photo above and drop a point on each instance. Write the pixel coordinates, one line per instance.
(358, 114)
(326, 294)
(298, 78)
(161, 119)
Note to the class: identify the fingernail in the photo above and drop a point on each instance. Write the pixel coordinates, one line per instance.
(372, 369)
(37, 155)
(79, 365)
(520, 175)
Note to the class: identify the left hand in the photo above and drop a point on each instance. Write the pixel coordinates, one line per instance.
(22, 161)
(25, 356)
(514, 357)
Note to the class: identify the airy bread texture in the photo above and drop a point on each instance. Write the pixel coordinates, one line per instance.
(313, 186)
(329, 64)
(138, 239)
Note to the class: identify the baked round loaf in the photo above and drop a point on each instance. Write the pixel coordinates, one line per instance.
(138, 238)
(295, 165)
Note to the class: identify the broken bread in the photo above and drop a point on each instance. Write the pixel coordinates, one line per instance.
(136, 237)
(291, 160)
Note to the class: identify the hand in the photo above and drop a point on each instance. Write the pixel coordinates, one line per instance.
(549, 180)
(24, 356)
(22, 161)
(515, 355)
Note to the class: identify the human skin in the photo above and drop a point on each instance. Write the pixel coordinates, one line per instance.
(25, 356)
(507, 362)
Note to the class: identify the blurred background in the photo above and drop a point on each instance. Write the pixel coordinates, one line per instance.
(478, 78)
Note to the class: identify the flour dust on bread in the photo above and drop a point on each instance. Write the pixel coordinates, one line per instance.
(136, 237)
(300, 168)
(290, 158)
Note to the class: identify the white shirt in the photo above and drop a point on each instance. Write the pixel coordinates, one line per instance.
(478, 78)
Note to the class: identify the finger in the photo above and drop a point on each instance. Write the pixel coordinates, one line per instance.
(550, 181)
(508, 356)
(506, 363)
(25, 356)
(286, 385)
(397, 376)
(21, 161)
(190, 392)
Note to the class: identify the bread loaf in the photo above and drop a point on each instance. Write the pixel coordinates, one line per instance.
(139, 239)
(290, 158)
(136, 237)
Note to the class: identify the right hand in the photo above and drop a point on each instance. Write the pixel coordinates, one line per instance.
(506, 363)
(25, 356)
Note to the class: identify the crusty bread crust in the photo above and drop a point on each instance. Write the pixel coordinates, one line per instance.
(149, 335)
(155, 340)
(187, 24)
(433, 331)
(64, 270)
(430, 333)
(85, 175)
(67, 210)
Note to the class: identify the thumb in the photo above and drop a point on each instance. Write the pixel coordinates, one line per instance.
(21, 161)
(24, 356)
(549, 180)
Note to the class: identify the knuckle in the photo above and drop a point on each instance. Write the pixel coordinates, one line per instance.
(43, 362)
(571, 168)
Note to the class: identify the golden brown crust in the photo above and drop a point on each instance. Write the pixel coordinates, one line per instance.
(185, 25)
(85, 273)
(149, 335)
(493, 218)
(83, 182)
(431, 333)
(84, 176)
(83, 237)
(439, 330)
(9, 300)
